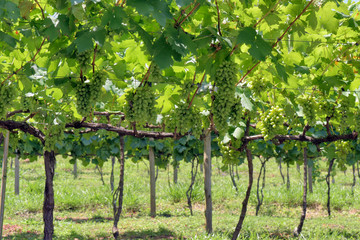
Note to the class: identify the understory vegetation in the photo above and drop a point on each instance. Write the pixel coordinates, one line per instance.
(84, 210)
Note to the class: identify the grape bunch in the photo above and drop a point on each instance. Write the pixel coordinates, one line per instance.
(140, 105)
(188, 87)
(155, 73)
(87, 93)
(97, 82)
(343, 149)
(224, 97)
(13, 140)
(236, 112)
(186, 119)
(83, 58)
(308, 105)
(7, 94)
(327, 108)
(344, 109)
(83, 97)
(357, 122)
(26, 103)
(301, 145)
(230, 156)
(54, 133)
(271, 122)
(256, 84)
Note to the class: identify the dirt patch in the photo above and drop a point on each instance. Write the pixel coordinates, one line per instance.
(332, 226)
(26, 160)
(198, 207)
(354, 211)
(11, 229)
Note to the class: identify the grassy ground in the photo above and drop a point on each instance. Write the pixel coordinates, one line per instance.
(83, 205)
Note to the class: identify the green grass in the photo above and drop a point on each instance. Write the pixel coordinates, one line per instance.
(84, 211)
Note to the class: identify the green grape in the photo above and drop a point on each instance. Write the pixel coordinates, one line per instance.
(343, 149)
(13, 141)
(155, 73)
(7, 94)
(140, 105)
(187, 88)
(327, 108)
(301, 145)
(343, 110)
(357, 123)
(256, 84)
(83, 98)
(54, 133)
(26, 103)
(88, 93)
(288, 145)
(97, 82)
(186, 119)
(30, 102)
(84, 58)
(224, 97)
(308, 104)
(230, 156)
(271, 122)
(236, 112)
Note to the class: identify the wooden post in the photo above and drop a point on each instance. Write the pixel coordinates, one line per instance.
(75, 172)
(207, 181)
(17, 175)
(152, 181)
(3, 182)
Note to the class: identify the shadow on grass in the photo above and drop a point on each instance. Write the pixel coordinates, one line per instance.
(30, 236)
(83, 220)
(162, 233)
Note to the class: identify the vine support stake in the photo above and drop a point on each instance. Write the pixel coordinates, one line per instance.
(3, 182)
(152, 181)
(207, 180)
(17, 174)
